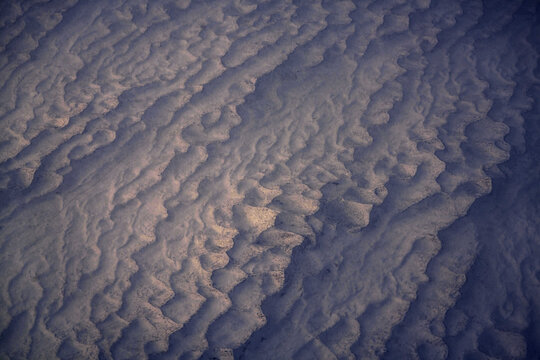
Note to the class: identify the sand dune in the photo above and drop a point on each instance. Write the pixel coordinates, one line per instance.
(269, 179)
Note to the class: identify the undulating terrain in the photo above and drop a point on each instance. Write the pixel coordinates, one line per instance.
(271, 179)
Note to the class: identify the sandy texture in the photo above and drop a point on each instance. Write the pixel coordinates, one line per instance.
(269, 179)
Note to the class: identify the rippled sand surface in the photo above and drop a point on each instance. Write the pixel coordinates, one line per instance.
(269, 179)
